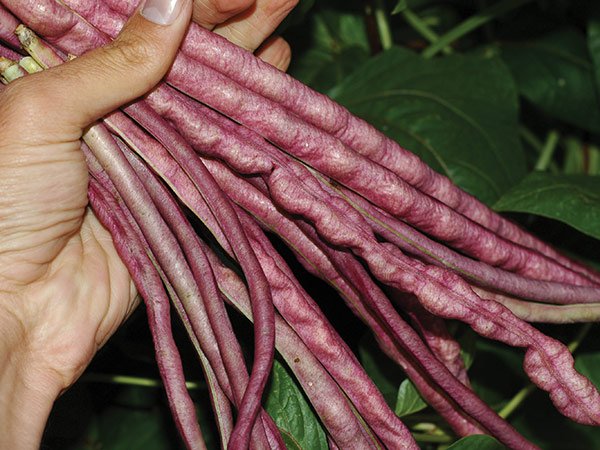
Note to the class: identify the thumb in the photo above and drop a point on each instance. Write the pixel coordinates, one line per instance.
(75, 94)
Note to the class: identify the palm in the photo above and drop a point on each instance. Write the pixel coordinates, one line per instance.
(71, 290)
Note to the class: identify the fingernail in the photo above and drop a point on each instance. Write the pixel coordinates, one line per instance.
(161, 12)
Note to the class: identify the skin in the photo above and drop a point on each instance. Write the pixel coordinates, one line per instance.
(63, 288)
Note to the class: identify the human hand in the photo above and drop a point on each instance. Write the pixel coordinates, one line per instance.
(63, 288)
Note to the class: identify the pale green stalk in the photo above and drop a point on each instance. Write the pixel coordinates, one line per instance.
(383, 25)
(419, 25)
(133, 381)
(472, 23)
(545, 158)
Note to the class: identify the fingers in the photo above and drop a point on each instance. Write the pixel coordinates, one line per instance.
(248, 23)
(209, 13)
(255, 24)
(74, 95)
(276, 51)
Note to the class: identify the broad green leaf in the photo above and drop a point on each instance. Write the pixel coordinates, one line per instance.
(555, 73)
(292, 414)
(477, 442)
(572, 199)
(338, 43)
(593, 41)
(589, 365)
(409, 401)
(458, 113)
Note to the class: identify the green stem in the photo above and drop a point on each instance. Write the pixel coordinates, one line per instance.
(516, 401)
(545, 157)
(594, 163)
(132, 381)
(581, 334)
(520, 397)
(472, 23)
(383, 25)
(419, 25)
(432, 438)
(531, 139)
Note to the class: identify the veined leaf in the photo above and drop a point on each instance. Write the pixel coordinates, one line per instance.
(589, 365)
(555, 73)
(292, 414)
(338, 45)
(409, 401)
(477, 442)
(593, 41)
(572, 199)
(458, 113)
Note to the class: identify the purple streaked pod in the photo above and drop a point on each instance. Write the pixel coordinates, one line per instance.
(547, 362)
(313, 253)
(8, 25)
(275, 122)
(195, 254)
(319, 110)
(149, 284)
(322, 390)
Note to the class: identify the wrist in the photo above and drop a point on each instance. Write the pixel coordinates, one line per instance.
(27, 392)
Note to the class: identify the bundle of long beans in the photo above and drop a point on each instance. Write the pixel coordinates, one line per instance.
(248, 150)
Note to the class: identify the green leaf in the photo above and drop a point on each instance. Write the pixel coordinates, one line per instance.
(589, 365)
(338, 43)
(593, 41)
(555, 73)
(287, 406)
(458, 113)
(571, 199)
(400, 6)
(409, 401)
(477, 442)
